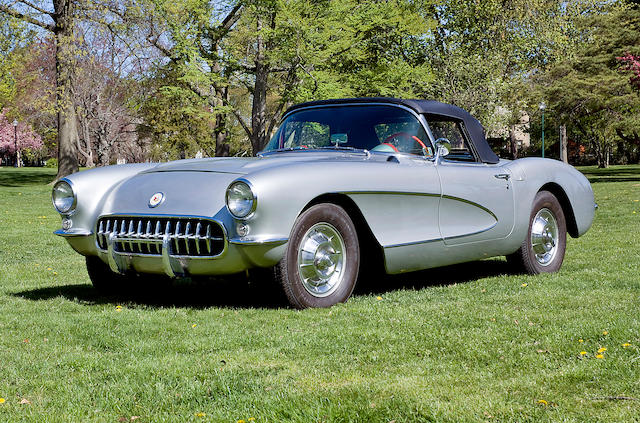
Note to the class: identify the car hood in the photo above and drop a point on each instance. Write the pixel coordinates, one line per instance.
(244, 165)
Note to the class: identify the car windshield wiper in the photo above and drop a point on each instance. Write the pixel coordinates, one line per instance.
(285, 149)
(339, 147)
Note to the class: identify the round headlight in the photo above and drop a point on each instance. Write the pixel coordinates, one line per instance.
(63, 197)
(241, 201)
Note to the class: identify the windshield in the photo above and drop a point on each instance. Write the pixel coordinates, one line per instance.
(375, 128)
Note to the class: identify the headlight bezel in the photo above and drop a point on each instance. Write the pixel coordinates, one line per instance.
(72, 208)
(247, 212)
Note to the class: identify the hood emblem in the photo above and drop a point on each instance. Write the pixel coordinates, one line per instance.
(156, 199)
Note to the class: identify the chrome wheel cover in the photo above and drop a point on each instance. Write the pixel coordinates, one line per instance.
(544, 236)
(321, 260)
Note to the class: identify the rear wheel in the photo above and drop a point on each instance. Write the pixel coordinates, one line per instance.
(320, 266)
(543, 249)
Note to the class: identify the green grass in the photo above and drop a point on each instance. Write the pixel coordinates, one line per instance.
(465, 343)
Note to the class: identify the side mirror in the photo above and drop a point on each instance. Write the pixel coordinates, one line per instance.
(443, 147)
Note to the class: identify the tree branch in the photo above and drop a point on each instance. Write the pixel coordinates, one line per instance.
(39, 9)
(26, 18)
(241, 121)
(230, 20)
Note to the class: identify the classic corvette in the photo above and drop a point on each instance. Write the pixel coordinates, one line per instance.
(343, 186)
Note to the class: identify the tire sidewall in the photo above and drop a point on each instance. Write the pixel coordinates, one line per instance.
(544, 199)
(292, 283)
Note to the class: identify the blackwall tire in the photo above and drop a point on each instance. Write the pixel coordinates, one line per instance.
(104, 280)
(320, 266)
(544, 247)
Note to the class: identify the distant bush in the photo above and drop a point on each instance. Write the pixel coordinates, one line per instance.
(52, 162)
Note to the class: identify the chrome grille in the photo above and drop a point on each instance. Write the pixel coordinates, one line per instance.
(194, 237)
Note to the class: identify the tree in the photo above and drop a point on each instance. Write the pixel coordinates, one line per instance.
(483, 53)
(58, 18)
(252, 59)
(26, 140)
(286, 51)
(188, 34)
(631, 63)
(13, 36)
(589, 94)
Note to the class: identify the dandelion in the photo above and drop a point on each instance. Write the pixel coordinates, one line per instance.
(193, 325)
(2, 400)
(605, 333)
(118, 308)
(599, 356)
(543, 402)
(524, 285)
(201, 414)
(48, 268)
(583, 353)
(626, 345)
(580, 340)
(241, 421)
(601, 350)
(55, 273)
(379, 298)
(251, 419)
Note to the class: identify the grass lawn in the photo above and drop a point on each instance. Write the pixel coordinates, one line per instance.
(465, 343)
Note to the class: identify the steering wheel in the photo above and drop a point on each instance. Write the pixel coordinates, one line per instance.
(395, 141)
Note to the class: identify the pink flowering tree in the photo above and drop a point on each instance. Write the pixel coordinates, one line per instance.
(28, 141)
(631, 63)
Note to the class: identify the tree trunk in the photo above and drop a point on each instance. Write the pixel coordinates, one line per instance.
(103, 145)
(88, 155)
(563, 144)
(259, 107)
(513, 142)
(67, 129)
(221, 132)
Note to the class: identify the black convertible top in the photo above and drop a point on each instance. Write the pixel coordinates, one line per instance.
(426, 107)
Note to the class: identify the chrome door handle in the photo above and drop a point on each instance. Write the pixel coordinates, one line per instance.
(504, 176)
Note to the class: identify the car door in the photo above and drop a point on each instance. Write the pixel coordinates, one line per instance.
(477, 202)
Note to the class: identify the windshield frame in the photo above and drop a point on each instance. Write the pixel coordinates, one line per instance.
(419, 117)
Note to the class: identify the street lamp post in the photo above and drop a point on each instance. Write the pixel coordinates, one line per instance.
(15, 140)
(542, 107)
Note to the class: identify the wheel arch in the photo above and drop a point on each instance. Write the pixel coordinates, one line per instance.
(369, 245)
(565, 203)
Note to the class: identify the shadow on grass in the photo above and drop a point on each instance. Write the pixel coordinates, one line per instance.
(630, 173)
(240, 293)
(10, 177)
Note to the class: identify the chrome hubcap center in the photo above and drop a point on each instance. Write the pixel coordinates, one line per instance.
(321, 258)
(544, 236)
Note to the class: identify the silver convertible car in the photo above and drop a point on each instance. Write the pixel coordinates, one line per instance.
(343, 186)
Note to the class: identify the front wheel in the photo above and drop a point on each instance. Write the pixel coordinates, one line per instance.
(320, 266)
(543, 249)
(108, 282)
(103, 278)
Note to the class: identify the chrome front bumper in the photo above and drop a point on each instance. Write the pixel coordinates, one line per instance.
(239, 254)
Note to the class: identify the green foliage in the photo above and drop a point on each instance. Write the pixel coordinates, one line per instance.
(176, 119)
(483, 52)
(13, 35)
(466, 343)
(51, 163)
(588, 92)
